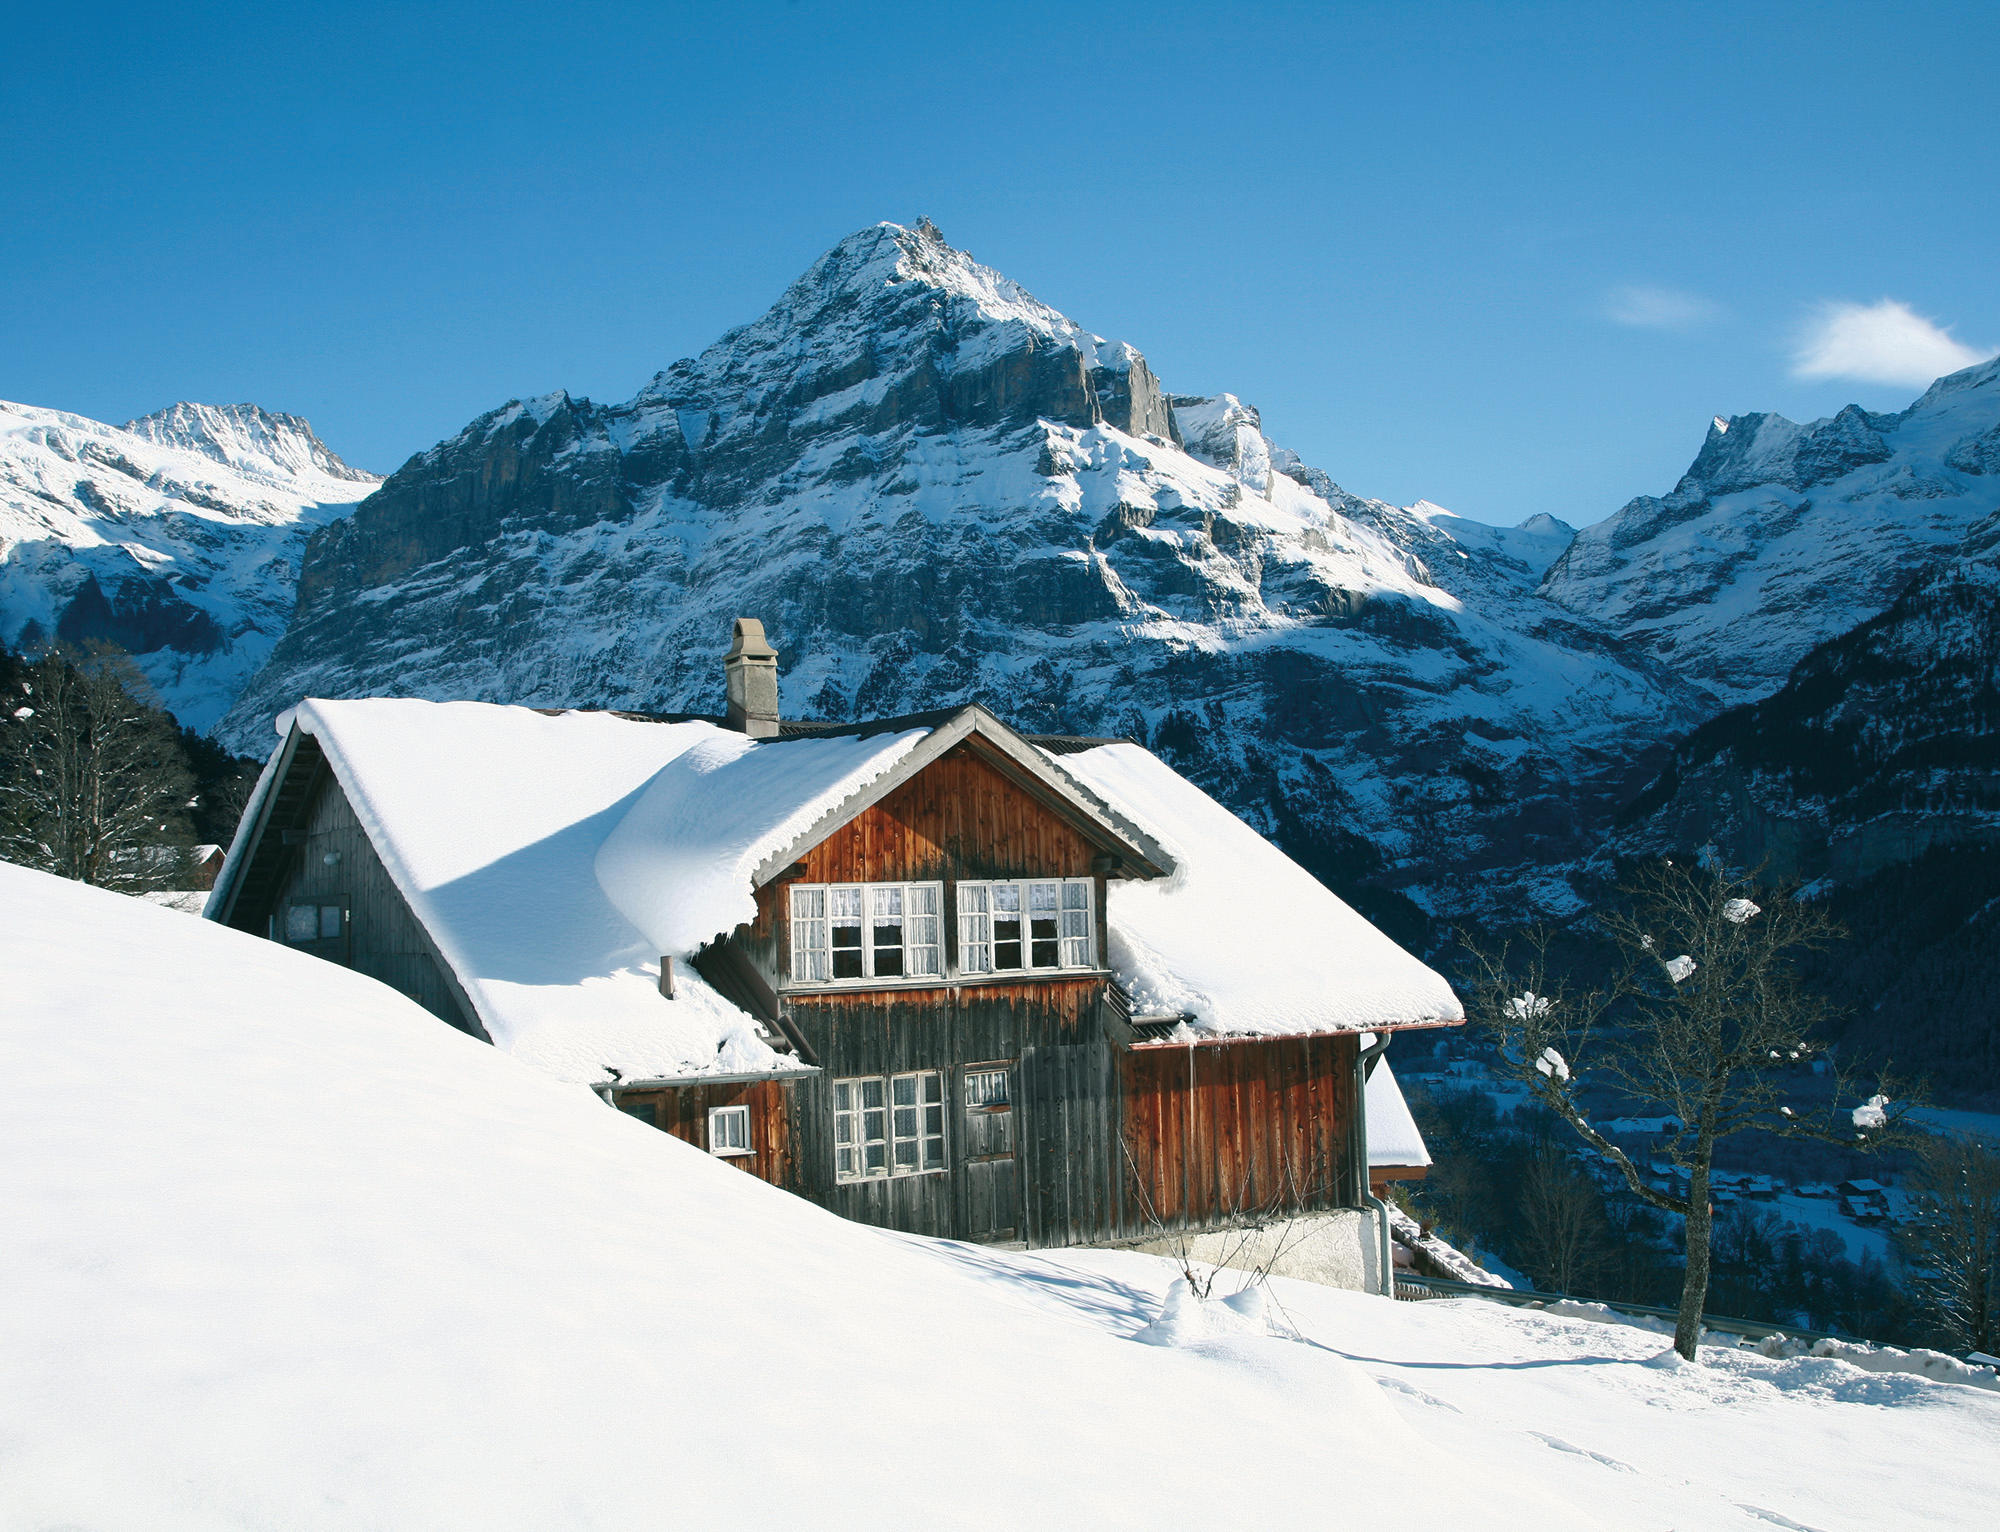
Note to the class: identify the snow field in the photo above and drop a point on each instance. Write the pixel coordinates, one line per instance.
(285, 1252)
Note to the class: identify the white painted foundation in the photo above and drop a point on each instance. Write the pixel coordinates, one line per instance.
(1337, 1249)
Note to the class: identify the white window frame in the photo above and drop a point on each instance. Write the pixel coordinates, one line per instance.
(1076, 906)
(724, 1139)
(810, 906)
(911, 1134)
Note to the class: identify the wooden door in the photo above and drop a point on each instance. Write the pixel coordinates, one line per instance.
(990, 1173)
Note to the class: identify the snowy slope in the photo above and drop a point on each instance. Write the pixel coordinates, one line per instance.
(932, 487)
(353, 1269)
(177, 537)
(1781, 536)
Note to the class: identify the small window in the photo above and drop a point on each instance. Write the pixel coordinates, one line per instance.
(845, 907)
(329, 922)
(888, 932)
(1006, 925)
(810, 957)
(986, 1090)
(975, 928)
(888, 1127)
(302, 923)
(860, 1129)
(729, 1130)
(643, 1110)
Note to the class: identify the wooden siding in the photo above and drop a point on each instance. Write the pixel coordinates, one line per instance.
(384, 939)
(1220, 1132)
(950, 1030)
(957, 818)
(682, 1110)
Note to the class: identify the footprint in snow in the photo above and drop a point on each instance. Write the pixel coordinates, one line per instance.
(1583, 1452)
(1419, 1395)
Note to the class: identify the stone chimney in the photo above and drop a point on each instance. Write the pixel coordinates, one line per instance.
(750, 674)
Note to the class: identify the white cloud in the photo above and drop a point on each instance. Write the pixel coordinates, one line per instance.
(1657, 308)
(1886, 342)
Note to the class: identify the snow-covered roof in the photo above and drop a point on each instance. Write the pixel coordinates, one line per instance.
(681, 863)
(554, 858)
(1393, 1138)
(1241, 939)
(489, 820)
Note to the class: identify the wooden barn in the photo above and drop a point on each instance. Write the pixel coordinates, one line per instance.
(928, 972)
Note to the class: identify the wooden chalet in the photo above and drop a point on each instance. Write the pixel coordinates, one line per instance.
(929, 972)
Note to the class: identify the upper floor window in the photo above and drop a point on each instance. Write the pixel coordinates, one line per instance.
(1025, 925)
(866, 930)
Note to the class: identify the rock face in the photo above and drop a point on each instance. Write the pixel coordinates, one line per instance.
(931, 486)
(1883, 744)
(177, 538)
(1781, 536)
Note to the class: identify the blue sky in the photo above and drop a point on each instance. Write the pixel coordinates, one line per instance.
(1509, 258)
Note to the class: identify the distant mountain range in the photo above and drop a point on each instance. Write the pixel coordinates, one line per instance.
(932, 486)
(177, 537)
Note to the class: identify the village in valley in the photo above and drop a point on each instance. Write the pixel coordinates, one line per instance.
(918, 915)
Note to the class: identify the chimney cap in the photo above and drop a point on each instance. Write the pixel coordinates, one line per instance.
(749, 642)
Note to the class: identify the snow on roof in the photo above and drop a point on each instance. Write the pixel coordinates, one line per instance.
(489, 820)
(1393, 1138)
(1240, 937)
(679, 863)
(555, 857)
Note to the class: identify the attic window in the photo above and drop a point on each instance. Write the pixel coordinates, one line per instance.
(865, 931)
(729, 1131)
(1026, 925)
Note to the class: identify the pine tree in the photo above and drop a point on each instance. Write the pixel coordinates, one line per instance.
(93, 783)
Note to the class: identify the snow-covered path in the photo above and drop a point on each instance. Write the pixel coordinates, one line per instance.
(280, 1251)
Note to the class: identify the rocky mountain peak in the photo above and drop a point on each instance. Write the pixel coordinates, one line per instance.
(248, 439)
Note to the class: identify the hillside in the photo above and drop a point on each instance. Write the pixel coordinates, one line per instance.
(177, 537)
(931, 486)
(356, 1269)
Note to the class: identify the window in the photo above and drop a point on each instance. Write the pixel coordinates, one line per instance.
(888, 1127)
(1031, 924)
(729, 1130)
(866, 931)
(313, 922)
(986, 1090)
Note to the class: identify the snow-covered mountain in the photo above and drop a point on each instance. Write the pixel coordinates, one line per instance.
(177, 537)
(1781, 536)
(932, 486)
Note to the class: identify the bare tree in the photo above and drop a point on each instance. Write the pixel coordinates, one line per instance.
(92, 783)
(1565, 1237)
(1704, 1017)
(1955, 1242)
